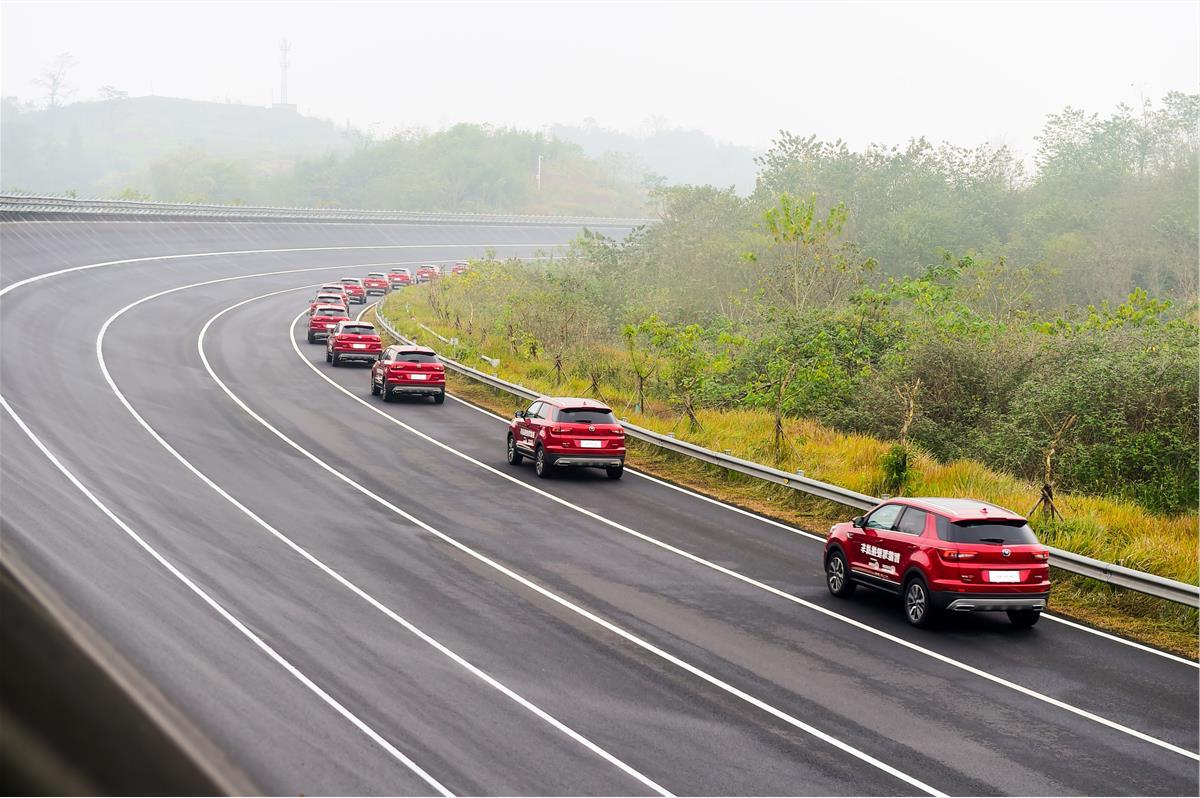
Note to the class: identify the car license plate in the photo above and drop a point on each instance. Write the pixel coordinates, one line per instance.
(1004, 576)
(358, 346)
(330, 326)
(418, 376)
(591, 444)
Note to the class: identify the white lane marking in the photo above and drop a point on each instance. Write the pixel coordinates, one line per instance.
(224, 613)
(192, 255)
(820, 539)
(999, 680)
(626, 635)
(328, 571)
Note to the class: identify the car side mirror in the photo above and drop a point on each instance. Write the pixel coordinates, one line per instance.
(519, 414)
(859, 521)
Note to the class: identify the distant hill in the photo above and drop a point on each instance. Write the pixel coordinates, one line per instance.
(679, 156)
(100, 148)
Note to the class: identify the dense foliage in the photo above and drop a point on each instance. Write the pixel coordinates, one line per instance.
(1016, 351)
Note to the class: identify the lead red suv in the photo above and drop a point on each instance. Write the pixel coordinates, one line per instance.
(955, 555)
(428, 272)
(323, 320)
(409, 371)
(559, 432)
(352, 341)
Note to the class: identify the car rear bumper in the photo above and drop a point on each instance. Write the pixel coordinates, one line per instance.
(991, 602)
(319, 333)
(374, 291)
(588, 461)
(416, 390)
(356, 354)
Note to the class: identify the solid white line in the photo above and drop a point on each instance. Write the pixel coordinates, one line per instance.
(233, 621)
(999, 680)
(820, 539)
(408, 625)
(637, 641)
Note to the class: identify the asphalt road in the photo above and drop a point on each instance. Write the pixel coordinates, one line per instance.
(351, 597)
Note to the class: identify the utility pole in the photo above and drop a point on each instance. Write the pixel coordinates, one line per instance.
(284, 47)
(539, 173)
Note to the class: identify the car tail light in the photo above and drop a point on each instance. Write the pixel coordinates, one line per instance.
(1044, 556)
(954, 555)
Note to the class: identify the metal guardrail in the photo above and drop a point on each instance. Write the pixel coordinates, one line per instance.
(33, 206)
(1118, 575)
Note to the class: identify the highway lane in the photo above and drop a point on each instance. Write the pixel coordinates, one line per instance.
(895, 704)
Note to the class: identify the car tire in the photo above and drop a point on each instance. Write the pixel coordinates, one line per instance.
(541, 465)
(374, 388)
(514, 455)
(837, 575)
(311, 340)
(328, 356)
(614, 472)
(918, 603)
(1024, 618)
(385, 389)
(439, 398)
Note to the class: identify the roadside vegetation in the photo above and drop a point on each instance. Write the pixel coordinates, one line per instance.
(980, 333)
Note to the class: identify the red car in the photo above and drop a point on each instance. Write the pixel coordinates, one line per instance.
(400, 277)
(559, 432)
(323, 320)
(460, 268)
(409, 371)
(335, 288)
(354, 289)
(353, 341)
(325, 299)
(376, 283)
(428, 272)
(955, 555)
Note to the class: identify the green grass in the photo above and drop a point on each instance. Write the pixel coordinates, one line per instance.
(1110, 529)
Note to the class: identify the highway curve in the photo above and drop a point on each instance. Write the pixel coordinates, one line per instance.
(345, 596)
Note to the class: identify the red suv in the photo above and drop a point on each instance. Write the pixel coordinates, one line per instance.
(354, 289)
(376, 283)
(427, 273)
(323, 320)
(559, 433)
(461, 267)
(942, 554)
(325, 299)
(400, 277)
(409, 371)
(335, 288)
(353, 341)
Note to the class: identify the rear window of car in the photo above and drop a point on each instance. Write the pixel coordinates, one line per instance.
(375, 275)
(359, 329)
(997, 532)
(349, 281)
(415, 357)
(585, 415)
(327, 311)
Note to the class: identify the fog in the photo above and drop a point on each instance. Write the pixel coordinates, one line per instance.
(967, 73)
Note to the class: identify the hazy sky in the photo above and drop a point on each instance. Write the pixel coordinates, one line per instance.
(963, 72)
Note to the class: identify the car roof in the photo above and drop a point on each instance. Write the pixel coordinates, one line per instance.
(350, 280)
(331, 307)
(399, 269)
(410, 348)
(570, 401)
(961, 509)
(374, 274)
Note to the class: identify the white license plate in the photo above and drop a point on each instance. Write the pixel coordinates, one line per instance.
(1004, 576)
(330, 326)
(418, 376)
(591, 444)
(358, 346)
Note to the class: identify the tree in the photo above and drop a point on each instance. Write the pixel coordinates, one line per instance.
(54, 79)
(113, 93)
